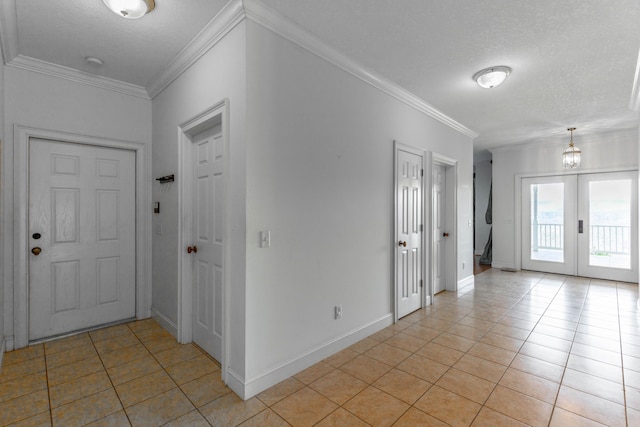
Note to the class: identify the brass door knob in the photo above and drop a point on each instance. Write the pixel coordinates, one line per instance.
(401, 243)
(445, 234)
(193, 249)
(36, 251)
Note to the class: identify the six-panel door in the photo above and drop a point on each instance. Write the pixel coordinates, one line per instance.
(81, 236)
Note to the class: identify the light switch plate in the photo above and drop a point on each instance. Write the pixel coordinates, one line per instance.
(265, 239)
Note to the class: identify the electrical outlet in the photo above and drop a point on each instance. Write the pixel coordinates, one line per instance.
(338, 311)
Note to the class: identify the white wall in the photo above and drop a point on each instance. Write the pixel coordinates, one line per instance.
(601, 152)
(41, 101)
(320, 178)
(219, 74)
(483, 171)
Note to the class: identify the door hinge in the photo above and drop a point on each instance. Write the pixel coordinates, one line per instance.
(421, 227)
(421, 283)
(421, 172)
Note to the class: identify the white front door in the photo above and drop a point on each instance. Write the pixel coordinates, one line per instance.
(583, 225)
(81, 236)
(440, 233)
(409, 224)
(208, 231)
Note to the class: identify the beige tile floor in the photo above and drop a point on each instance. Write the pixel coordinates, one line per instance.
(514, 349)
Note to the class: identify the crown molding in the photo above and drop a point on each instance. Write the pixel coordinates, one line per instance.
(634, 104)
(237, 10)
(220, 25)
(268, 18)
(8, 30)
(66, 73)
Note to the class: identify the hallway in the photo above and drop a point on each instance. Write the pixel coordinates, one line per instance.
(514, 348)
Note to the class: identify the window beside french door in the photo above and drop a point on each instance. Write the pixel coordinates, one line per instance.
(582, 225)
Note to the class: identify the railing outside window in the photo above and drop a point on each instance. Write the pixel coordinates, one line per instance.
(605, 239)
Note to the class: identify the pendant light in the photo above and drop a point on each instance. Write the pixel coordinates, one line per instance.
(130, 9)
(571, 156)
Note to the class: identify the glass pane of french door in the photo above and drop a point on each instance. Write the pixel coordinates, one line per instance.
(548, 209)
(608, 242)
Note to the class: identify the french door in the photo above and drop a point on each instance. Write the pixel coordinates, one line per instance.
(583, 225)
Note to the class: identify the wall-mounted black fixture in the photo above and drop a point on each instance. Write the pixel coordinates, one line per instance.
(165, 179)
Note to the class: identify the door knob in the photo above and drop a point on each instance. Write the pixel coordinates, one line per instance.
(445, 234)
(36, 251)
(193, 249)
(401, 243)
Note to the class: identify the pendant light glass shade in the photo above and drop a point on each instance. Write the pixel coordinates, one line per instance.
(130, 9)
(571, 156)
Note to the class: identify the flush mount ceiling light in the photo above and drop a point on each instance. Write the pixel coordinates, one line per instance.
(492, 76)
(571, 156)
(92, 60)
(130, 9)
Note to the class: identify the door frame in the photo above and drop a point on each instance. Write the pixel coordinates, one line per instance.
(517, 218)
(217, 114)
(451, 204)
(21, 140)
(425, 298)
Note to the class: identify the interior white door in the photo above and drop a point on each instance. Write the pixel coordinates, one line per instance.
(81, 235)
(607, 226)
(409, 281)
(440, 233)
(548, 218)
(208, 273)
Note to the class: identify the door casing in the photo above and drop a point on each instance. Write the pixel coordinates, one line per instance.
(22, 136)
(213, 116)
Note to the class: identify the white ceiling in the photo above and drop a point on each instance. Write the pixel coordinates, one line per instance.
(573, 60)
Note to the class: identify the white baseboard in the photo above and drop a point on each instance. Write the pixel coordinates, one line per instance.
(2, 350)
(236, 383)
(262, 382)
(164, 321)
(469, 280)
(9, 343)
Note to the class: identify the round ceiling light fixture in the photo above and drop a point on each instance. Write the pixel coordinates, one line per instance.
(492, 76)
(92, 60)
(130, 9)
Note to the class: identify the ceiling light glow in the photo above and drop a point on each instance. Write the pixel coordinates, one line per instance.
(130, 9)
(492, 76)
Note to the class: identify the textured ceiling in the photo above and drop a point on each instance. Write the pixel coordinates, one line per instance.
(64, 32)
(573, 60)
